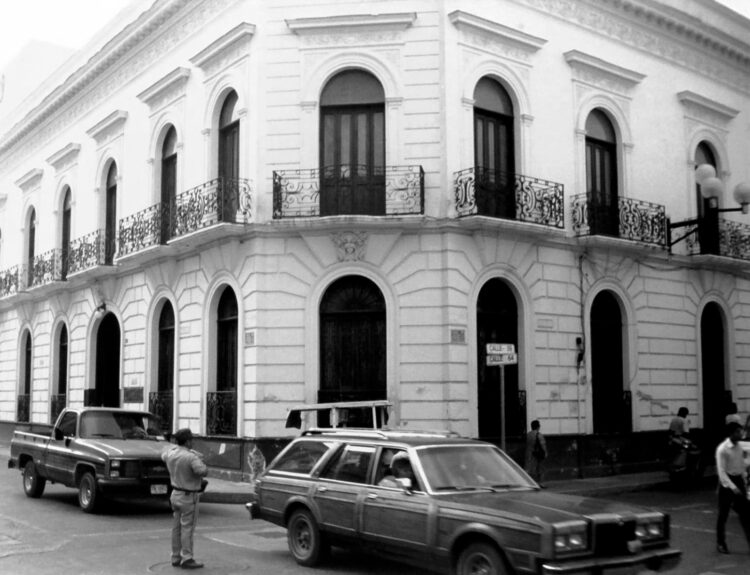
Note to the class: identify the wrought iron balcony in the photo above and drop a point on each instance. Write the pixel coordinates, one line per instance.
(44, 269)
(221, 200)
(23, 408)
(630, 219)
(9, 281)
(160, 403)
(509, 196)
(85, 253)
(141, 230)
(57, 404)
(348, 190)
(221, 413)
(733, 240)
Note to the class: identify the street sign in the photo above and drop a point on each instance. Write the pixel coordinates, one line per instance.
(497, 348)
(502, 359)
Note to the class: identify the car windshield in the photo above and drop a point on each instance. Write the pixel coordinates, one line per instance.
(119, 425)
(471, 467)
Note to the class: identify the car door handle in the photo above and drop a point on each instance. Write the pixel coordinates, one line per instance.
(322, 489)
(372, 496)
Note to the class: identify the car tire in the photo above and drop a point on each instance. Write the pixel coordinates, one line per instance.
(304, 538)
(88, 494)
(480, 558)
(33, 483)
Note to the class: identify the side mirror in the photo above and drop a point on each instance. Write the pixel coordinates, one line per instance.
(405, 483)
(58, 434)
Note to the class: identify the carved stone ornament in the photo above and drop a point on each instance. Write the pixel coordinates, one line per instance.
(30, 180)
(598, 73)
(166, 90)
(705, 110)
(225, 51)
(495, 38)
(64, 158)
(354, 29)
(109, 128)
(350, 246)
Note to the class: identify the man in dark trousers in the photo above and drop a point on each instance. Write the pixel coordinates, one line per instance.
(186, 470)
(730, 467)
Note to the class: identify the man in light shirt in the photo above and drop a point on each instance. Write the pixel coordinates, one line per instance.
(731, 469)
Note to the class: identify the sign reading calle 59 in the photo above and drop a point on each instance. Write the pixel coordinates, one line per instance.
(501, 354)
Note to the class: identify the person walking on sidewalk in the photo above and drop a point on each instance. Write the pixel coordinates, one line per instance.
(536, 452)
(730, 467)
(186, 471)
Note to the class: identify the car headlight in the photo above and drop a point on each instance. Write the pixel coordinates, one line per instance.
(651, 526)
(571, 536)
(114, 468)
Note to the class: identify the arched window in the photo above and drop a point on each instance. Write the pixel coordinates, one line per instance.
(59, 397)
(65, 233)
(601, 174)
(352, 342)
(222, 404)
(494, 158)
(703, 155)
(168, 182)
(110, 215)
(161, 401)
(229, 157)
(23, 411)
(31, 248)
(352, 145)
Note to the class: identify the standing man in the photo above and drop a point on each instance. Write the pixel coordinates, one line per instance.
(730, 467)
(186, 470)
(536, 452)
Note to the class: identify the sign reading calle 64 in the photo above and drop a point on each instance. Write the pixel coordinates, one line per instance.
(501, 354)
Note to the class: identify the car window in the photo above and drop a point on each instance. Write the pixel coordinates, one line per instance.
(301, 456)
(68, 424)
(386, 475)
(119, 425)
(351, 464)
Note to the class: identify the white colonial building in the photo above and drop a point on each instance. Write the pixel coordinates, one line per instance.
(223, 208)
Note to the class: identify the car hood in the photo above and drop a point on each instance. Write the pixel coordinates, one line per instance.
(127, 448)
(543, 506)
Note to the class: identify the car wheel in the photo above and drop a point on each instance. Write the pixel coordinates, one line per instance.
(88, 496)
(304, 538)
(480, 559)
(33, 483)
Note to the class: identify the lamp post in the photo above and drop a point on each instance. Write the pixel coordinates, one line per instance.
(707, 224)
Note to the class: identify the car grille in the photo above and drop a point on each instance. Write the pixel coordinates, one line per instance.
(146, 469)
(611, 536)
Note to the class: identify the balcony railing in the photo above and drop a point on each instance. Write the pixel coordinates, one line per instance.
(734, 240)
(348, 190)
(632, 220)
(509, 196)
(9, 281)
(45, 268)
(221, 413)
(219, 200)
(160, 403)
(140, 230)
(86, 252)
(23, 408)
(57, 404)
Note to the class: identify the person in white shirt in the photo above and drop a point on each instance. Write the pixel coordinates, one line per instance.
(730, 467)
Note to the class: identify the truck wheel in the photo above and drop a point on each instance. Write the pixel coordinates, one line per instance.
(88, 496)
(304, 538)
(33, 483)
(480, 559)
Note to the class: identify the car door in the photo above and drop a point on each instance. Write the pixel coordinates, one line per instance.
(394, 519)
(58, 459)
(341, 488)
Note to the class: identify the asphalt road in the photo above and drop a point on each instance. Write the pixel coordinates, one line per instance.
(52, 536)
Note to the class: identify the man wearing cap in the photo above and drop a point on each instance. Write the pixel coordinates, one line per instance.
(730, 467)
(186, 470)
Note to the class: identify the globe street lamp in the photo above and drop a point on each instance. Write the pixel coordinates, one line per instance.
(707, 224)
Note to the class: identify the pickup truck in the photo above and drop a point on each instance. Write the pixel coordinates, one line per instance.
(98, 450)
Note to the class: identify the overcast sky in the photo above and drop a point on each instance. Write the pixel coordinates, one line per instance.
(72, 23)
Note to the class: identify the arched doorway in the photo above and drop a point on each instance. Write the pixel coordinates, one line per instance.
(497, 322)
(352, 342)
(23, 408)
(222, 403)
(107, 383)
(716, 397)
(611, 403)
(161, 401)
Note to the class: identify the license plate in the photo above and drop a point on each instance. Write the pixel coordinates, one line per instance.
(158, 490)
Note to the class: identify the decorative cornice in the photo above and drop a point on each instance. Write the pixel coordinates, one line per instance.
(703, 107)
(352, 23)
(469, 22)
(30, 180)
(241, 33)
(586, 63)
(167, 88)
(114, 122)
(64, 156)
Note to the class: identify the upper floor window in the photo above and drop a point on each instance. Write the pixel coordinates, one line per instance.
(352, 145)
(601, 173)
(229, 139)
(703, 155)
(494, 158)
(30, 247)
(65, 232)
(110, 214)
(168, 182)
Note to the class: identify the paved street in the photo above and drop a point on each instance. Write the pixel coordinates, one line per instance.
(52, 536)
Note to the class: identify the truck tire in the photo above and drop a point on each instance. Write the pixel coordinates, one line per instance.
(33, 483)
(88, 494)
(480, 557)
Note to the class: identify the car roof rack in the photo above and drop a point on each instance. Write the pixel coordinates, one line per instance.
(383, 433)
(339, 411)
